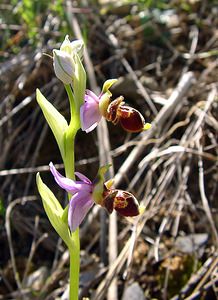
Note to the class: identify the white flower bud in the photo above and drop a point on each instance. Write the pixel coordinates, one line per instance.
(63, 66)
(72, 48)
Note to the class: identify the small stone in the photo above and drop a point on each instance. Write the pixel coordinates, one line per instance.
(192, 242)
(37, 279)
(133, 292)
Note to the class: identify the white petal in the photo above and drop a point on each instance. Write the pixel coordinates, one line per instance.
(63, 66)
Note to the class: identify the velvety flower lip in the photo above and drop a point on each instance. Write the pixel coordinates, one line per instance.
(90, 114)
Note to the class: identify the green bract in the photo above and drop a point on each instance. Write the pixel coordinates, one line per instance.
(79, 83)
(54, 211)
(55, 120)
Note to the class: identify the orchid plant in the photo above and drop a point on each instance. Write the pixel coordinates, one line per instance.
(86, 110)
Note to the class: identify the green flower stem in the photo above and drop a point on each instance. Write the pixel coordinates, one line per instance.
(74, 111)
(74, 265)
(74, 248)
(69, 163)
(69, 159)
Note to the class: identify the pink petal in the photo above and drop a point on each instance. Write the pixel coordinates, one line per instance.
(69, 185)
(79, 206)
(83, 177)
(90, 96)
(90, 114)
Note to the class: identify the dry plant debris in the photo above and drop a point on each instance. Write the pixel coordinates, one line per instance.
(165, 57)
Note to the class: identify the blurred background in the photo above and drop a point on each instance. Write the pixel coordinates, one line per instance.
(164, 54)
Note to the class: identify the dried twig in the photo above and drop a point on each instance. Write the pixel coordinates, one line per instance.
(35, 244)
(10, 240)
(174, 100)
(204, 197)
(200, 277)
(129, 69)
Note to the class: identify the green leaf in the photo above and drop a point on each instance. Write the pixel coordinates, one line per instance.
(2, 208)
(54, 211)
(55, 120)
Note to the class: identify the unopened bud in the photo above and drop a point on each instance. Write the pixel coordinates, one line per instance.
(72, 48)
(63, 66)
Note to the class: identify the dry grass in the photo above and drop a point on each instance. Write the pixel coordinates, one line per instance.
(170, 251)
